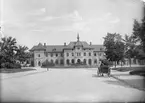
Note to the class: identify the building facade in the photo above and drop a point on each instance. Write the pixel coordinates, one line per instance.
(77, 52)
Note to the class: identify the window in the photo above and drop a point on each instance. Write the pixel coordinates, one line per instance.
(84, 54)
(46, 54)
(56, 55)
(72, 54)
(61, 61)
(90, 61)
(78, 48)
(94, 54)
(56, 61)
(79, 54)
(72, 61)
(84, 61)
(61, 54)
(38, 55)
(79, 61)
(89, 54)
(39, 63)
(51, 54)
(67, 61)
(95, 61)
(67, 54)
(51, 61)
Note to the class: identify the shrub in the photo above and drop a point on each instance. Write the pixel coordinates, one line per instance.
(47, 64)
(11, 65)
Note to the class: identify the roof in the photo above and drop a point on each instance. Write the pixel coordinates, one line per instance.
(98, 47)
(60, 48)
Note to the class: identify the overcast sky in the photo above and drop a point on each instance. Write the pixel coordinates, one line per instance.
(59, 21)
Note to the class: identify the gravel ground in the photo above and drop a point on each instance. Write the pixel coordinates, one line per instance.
(67, 85)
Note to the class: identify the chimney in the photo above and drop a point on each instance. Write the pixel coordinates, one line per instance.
(44, 44)
(65, 44)
(90, 43)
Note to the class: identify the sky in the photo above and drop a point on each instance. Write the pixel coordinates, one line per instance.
(57, 21)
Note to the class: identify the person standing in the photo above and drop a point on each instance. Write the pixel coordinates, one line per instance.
(47, 69)
(98, 70)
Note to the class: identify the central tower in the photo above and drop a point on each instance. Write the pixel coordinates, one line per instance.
(78, 38)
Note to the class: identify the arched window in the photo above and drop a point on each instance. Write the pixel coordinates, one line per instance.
(38, 55)
(84, 54)
(84, 61)
(78, 61)
(51, 61)
(95, 54)
(90, 61)
(67, 61)
(89, 54)
(56, 61)
(67, 54)
(72, 61)
(61, 61)
(95, 61)
(39, 63)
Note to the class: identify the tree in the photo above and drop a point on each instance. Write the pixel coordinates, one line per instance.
(7, 51)
(130, 47)
(139, 32)
(114, 47)
(21, 53)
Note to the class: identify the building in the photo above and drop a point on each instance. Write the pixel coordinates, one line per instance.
(77, 52)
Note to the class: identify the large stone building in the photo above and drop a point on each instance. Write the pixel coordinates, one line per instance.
(77, 52)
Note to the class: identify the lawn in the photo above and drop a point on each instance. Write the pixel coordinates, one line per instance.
(15, 70)
(133, 70)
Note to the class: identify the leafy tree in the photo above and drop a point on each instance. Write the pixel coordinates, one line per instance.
(139, 32)
(21, 54)
(7, 51)
(114, 47)
(130, 48)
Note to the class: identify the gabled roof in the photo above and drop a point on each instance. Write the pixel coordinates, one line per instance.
(79, 43)
(60, 48)
(55, 48)
(38, 47)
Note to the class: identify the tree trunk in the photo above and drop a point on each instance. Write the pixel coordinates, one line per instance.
(121, 63)
(130, 62)
(115, 64)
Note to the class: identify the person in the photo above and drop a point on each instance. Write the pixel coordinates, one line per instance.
(47, 69)
(99, 68)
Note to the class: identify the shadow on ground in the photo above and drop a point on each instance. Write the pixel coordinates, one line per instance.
(105, 76)
(15, 70)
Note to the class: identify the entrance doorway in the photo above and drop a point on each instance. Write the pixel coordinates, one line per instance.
(78, 61)
(39, 63)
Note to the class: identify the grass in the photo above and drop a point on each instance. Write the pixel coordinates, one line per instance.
(132, 70)
(4, 70)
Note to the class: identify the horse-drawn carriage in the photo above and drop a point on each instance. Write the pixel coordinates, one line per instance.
(104, 68)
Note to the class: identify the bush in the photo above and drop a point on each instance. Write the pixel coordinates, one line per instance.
(11, 65)
(47, 64)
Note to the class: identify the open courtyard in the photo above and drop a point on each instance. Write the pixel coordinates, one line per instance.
(66, 85)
